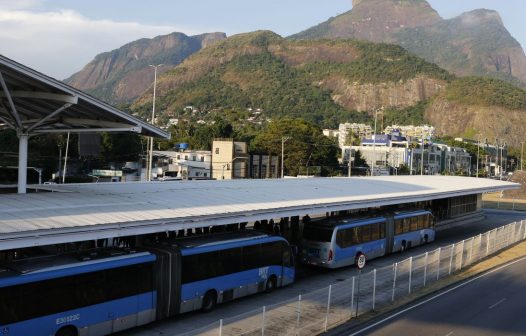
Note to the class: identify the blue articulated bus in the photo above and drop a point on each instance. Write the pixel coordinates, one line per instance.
(343, 242)
(100, 292)
(239, 264)
(68, 296)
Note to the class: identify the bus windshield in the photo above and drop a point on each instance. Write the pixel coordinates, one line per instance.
(317, 233)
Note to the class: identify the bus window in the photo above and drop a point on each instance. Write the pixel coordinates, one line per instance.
(399, 226)
(272, 251)
(375, 231)
(356, 236)
(366, 233)
(252, 257)
(414, 223)
(344, 237)
(407, 225)
(422, 222)
(317, 233)
(232, 260)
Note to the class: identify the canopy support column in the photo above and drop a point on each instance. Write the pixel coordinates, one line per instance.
(22, 163)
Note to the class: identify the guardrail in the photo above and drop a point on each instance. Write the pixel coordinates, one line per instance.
(320, 310)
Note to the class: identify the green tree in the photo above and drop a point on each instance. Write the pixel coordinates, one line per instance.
(359, 161)
(305, 145)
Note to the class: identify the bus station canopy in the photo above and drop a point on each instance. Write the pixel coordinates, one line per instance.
(78, 212)
(32, 103)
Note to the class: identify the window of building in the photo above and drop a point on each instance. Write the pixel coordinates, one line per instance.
(217, 150)
(186, 157)
(193, 158)
(202, 159)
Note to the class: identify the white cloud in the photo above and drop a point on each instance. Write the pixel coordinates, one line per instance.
(59, 43)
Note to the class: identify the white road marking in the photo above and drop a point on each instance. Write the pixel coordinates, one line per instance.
(496, 304)
(451, 333)
(435, 297)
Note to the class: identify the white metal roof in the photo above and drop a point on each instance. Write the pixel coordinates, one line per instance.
(31, 102)
(104, 210)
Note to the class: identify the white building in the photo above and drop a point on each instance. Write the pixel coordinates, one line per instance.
(358, 130)
(331, 133)
(412, 132)
(383, 150)
(185, 164)
(393, 150)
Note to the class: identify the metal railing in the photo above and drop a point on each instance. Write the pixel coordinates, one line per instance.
(320, 310)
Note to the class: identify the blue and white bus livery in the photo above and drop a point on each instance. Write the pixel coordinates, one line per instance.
(65, 296)
(109, 290)
(343, 242)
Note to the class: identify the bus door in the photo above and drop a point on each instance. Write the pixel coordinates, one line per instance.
(287, 263)
(389, 234)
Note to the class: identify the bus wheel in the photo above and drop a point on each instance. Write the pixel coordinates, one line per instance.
(360, 260)
(403, 246)
(209, 301)
(426, 239)
(67, 331)
(271, 284)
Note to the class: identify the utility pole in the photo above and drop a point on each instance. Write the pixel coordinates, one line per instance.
(522, 150)
(478, 155)
(374, 138)
(497, 157)
(283, 140)
(350, 156)
(505, 159)
(422, 157)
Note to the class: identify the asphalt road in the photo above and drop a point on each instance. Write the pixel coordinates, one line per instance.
(312, 278)
(491, 304)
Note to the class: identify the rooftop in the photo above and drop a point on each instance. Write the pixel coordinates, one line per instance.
(75, 212)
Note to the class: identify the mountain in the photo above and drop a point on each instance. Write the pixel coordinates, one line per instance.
(321, 81)
(374, 20)
(332, 81)
(474, 43)
(121, 75)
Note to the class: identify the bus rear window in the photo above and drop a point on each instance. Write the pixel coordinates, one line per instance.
(317, 234)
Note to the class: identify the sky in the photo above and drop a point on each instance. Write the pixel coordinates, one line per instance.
(59, 37)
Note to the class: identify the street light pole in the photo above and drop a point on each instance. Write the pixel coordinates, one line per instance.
(150, 139)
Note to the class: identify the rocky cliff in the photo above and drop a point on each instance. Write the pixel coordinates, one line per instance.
(474, 43)
(121, 75)
(374, 20)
